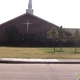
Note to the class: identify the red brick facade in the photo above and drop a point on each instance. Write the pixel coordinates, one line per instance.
(38, 26)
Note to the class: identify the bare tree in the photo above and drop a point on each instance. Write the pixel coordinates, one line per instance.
(76, 37)
(53, 33)
(61, 35)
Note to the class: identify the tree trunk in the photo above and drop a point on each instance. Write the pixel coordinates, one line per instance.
(75, 47)
(60, 46)
(54, 45)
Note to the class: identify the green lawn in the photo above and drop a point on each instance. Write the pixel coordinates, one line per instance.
(24, 52)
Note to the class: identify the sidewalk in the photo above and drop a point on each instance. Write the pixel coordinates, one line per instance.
(42, 61)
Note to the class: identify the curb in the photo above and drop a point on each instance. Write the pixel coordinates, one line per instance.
(39, 61)
(19, 62)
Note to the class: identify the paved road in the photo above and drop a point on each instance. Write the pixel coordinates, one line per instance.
(39, 71)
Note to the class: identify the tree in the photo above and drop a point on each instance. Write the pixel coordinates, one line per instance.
(76, 37)
(61, 35)
(53, 33)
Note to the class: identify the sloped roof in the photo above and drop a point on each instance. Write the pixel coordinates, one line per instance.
(31, 15)
(71, 30)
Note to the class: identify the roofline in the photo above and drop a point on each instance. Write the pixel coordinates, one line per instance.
(72, 28)
(31, 15)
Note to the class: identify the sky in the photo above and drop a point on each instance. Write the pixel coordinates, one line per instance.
(64, 13)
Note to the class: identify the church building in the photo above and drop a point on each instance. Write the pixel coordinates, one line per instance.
(27, 23)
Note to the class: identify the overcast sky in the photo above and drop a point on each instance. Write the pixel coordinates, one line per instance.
(59, 12)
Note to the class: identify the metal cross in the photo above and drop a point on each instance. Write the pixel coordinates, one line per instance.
(27, 23)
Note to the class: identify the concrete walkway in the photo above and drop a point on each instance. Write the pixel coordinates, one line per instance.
(52, 61)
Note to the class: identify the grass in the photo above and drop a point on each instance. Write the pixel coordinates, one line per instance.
(24, 52)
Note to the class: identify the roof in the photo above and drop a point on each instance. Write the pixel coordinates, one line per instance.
(28, 14)
(71, 30)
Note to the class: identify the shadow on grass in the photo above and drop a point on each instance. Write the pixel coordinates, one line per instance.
(51, 52)
(55, 51)
(25, 46)
(76, 52)
(59, 51)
